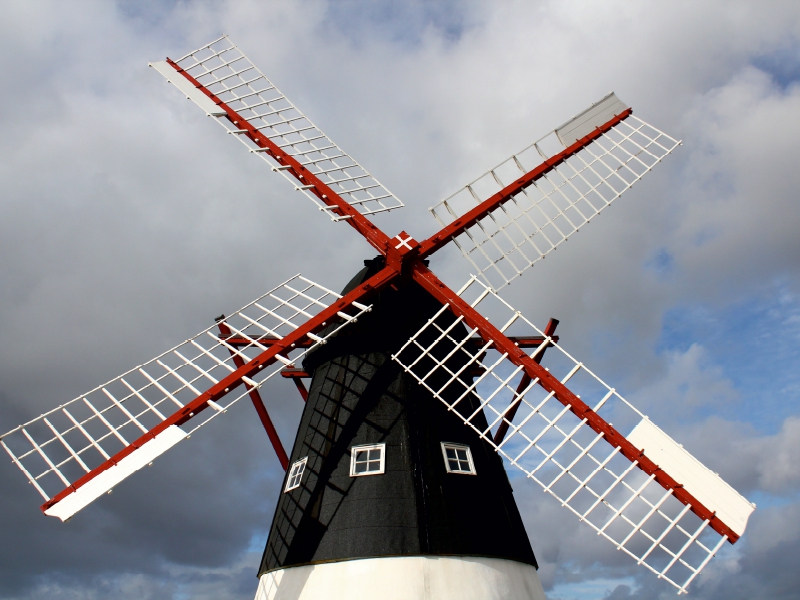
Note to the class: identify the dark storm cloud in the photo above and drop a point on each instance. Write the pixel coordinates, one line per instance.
(128, 221)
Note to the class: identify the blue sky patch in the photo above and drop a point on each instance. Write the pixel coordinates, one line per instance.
(783, 65)
(404, 23)
(756, 342)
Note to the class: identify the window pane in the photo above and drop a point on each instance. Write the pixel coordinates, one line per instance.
(458, 458)
(296, 474)
(367, 460)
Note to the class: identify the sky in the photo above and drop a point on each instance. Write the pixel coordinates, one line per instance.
(128, 221)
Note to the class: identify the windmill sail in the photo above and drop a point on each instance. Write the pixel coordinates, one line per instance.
(222, 69)
(549, 190)
(80, 450)
(672, 530)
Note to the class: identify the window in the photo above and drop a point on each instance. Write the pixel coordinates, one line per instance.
(367, 460)
(458, 459)
(296, 474)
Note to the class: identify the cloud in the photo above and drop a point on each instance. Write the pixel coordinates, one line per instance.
(689, 384)
(128, 221)
(742, 187)
(751, 463)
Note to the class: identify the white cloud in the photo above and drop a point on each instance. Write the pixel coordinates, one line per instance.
(740, 203)
(689, 383)
(128, 221)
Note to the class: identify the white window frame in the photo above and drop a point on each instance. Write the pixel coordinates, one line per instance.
(454, 446)
(298, 465)
(356, 449)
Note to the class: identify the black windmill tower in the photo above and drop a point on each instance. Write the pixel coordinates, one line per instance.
(442, 490)
(422, 398)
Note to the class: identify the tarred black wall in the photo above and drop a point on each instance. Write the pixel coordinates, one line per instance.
(359, 395)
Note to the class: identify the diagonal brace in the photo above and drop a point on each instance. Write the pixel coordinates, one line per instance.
(258, 403)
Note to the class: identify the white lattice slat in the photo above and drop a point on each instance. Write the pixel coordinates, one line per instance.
(565, 456)
(532, 223)
(225, 71)
(71, 445)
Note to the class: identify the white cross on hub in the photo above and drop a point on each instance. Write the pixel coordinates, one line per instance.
(404, 243)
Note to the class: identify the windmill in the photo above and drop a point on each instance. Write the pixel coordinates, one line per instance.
(421, 398)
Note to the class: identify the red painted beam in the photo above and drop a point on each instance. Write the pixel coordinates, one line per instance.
(530, 341)
(379, 240)
(291, 373)
(468, 219)
(295, 375)
(375, 283)
(500, 434)
(501, 343)
(301, 388)
(238, 341)
(258, 404)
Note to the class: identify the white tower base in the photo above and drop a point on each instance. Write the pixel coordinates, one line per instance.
(405, 578)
